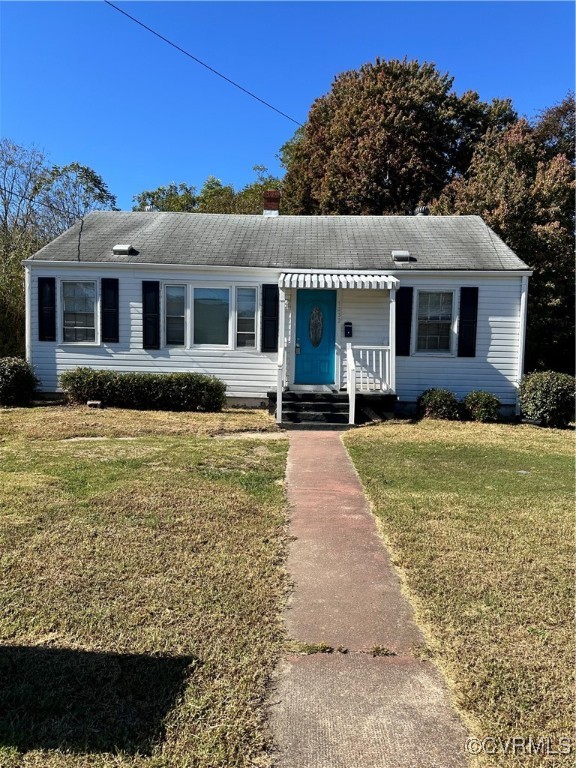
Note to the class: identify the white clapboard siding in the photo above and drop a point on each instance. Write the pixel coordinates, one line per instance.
(495, 367)
(250, 373)
(247, 373)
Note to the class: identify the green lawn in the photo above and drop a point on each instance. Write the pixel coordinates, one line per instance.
(141, 587)
(480, 522)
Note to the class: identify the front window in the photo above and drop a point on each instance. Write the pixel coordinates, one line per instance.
(246, 317)
(79, 302)
(211, 315)
(175, 310)
(434, 321)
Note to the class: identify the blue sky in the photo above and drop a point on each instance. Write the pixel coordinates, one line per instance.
(85, 84)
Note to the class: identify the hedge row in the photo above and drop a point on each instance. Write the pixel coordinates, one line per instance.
(545, 397)
(439, 403)
(145, 391)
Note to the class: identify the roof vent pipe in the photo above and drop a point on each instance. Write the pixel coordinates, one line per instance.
(421, 210)
(271, 202)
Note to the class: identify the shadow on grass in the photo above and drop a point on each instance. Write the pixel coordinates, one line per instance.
(81, 701)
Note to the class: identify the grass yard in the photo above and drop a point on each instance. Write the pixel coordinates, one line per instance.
(480, 522)
(141, 587)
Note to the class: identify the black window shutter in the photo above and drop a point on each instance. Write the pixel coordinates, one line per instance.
(269, 318)
(47, 308)
(109, 310)
(404, 297)
(468, 322)
(151, 314)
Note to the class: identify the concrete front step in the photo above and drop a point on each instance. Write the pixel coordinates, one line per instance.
(313, 417)
(316, 406)
(317, 426)
(310, 408)
(309, 397)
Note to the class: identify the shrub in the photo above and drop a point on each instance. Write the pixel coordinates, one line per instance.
(438, 404)
(548, 398)
(17, 381)
(481, 406)
(145, 391)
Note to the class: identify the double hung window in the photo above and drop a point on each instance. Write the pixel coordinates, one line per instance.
(175, 312)
(434, 321)
(245, 317)
(79, 311)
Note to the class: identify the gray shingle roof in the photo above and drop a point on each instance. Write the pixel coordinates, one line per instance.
(285, 242)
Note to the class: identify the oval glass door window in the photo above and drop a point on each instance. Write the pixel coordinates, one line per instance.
(316, 326)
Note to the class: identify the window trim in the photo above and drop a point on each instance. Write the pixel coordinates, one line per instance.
(60, 313)
(163, 315)
(256, 347)
(453, 324)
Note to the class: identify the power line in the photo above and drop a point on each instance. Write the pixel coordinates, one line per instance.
(202, 63)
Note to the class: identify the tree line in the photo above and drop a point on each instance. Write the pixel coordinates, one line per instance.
(387, 138)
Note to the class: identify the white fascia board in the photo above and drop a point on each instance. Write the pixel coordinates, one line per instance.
(461, 272)
(398, 273)
(334, 271)
(141, 265)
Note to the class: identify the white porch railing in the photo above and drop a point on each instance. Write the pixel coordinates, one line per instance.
(351, 383)
(372, 368)
(280, 379)
(369, 368)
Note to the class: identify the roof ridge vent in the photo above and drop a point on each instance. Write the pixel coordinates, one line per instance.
(122, 249)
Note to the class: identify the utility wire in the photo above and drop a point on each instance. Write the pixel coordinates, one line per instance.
(202, 63)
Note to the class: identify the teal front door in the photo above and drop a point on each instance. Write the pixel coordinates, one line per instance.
(315, 331)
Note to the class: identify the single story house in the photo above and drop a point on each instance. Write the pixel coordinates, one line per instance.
(341, 305)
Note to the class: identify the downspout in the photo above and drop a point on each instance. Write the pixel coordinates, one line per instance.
(521, 339)
(28, 321)
(281, 352)
(392, 340)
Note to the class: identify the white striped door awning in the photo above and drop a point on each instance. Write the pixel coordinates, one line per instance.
(336, 280)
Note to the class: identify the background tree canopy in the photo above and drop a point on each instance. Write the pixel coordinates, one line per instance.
(214, 197)
(393, 135)
(37, 203)
(526, 194)
(386, 137)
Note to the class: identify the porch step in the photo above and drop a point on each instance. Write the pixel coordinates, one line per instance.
(315, 425)
(308, 417)
(315, 406)
(317, 410)
(311, 409)
(311, 397)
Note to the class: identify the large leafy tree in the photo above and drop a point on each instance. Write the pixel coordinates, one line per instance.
(69, 192)
(37, 202)
(554, 129)
(527, 196)
(385, 137)
(180, 198)
(214, 196)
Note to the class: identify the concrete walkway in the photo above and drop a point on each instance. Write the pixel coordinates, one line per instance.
(352, 709)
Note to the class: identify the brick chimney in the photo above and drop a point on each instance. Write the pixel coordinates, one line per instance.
(271, 202)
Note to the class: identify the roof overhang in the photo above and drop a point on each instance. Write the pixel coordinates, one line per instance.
(323, 279)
